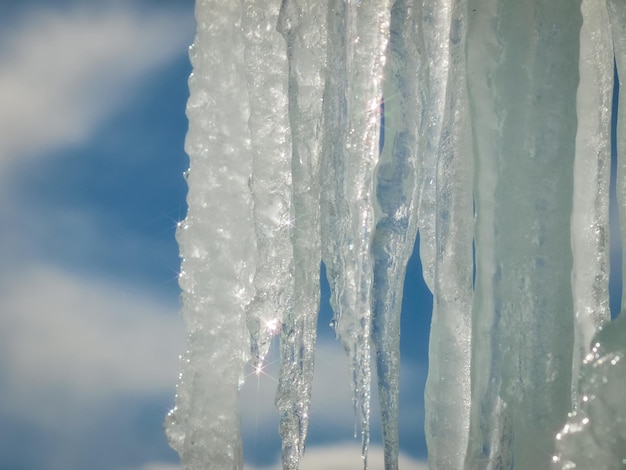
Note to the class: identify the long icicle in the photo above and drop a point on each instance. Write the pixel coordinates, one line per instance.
(396, 202)
(298, 22)
(204, 425)
(592, 166)
(489, 437)
(358, 35)
(447, 394)
(434, 28)
(265, 57)
(617, 16)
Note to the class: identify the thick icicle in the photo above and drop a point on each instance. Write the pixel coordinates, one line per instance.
(435, 31)
(266, 66)
(522, 76)
(204, 425)
(357, 41)
(395, 204)
(489, 438)
(299, 23)
(592, 166)
(447, 394)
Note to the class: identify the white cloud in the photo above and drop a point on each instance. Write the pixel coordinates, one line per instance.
(334, 457)
(68, 71)
(71, 339)
(159, 466)
(346, 456)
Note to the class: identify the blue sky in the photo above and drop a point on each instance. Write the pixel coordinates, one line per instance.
(92, 125)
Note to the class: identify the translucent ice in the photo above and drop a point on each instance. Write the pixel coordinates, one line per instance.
(335, 131)
(357, 42)
(522, 80)
(595, 435)
(592, 165)
(299, 23)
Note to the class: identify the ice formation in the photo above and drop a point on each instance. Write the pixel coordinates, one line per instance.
(333, 131)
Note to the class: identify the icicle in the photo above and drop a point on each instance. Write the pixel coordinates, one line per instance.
(204, 425)
(286, 157)
(617, 17)
(270, 183)
(435, 30)
(489, 437)
(522, 74)
(592, 166)
(358, 35)
(396, 201)
(447, 394)
(299, 24)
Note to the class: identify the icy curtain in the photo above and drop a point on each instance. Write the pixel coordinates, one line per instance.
(333, 131)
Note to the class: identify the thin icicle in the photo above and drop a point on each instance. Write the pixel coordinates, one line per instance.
(204, 426)
(266, 66)
(592, 166)
(395, 203)
(447, 394)
(299, 23)
(358, 35)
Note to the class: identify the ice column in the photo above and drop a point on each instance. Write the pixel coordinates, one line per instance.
(522, 78)
(204, 425)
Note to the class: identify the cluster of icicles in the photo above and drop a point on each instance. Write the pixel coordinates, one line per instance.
(333, 131)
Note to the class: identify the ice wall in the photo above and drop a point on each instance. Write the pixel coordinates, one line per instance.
(334, 131)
